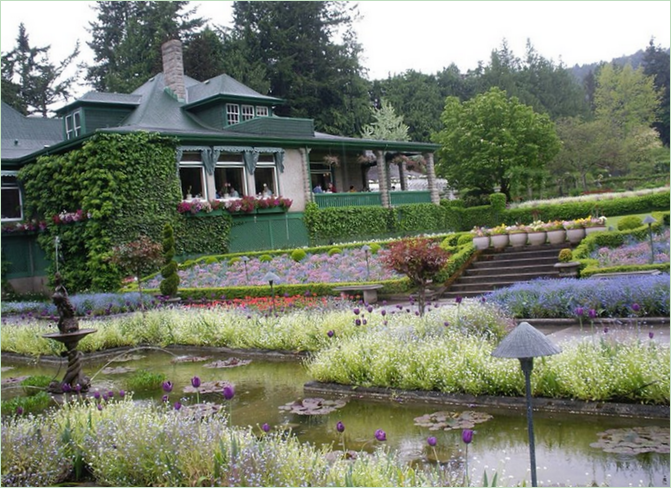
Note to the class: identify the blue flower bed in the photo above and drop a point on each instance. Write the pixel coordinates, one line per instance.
(613, 297)
(85, 304)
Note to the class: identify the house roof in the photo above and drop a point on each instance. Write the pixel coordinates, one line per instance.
(23, 135)
(100, 98)
(223, 86)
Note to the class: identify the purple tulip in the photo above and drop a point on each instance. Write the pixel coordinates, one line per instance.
(265, 427)
(592, 313)
(605, 330)
(164, 398)
(96, 395)
(467, 436)
(458, 299)
(122, 393)
(66, 388)
(195, 381)
(383, 312)
(78, 388)
(177, 405)
(330, 333)
(651, 335)
(100, 406)
(446, 324)
(364, 322)
(380, 435)
(579, 311)
(370, 309)
(431, 441)
(484, 299)
(635, 307)
(167, 386)
(357, 322)
(110, 394)
(356, 311)
(229, 392)
(19, 410)
(340, 427)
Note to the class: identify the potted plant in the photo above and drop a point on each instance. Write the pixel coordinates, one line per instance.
(517, 234)
(594, 224)
(499, 237)
(480, 237)
(566, 266)
(536, 233)
(575, 232)
(556, 232)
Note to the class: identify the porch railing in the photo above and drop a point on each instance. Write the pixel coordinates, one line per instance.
(325, 200)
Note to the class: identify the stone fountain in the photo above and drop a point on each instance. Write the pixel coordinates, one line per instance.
(69, 334)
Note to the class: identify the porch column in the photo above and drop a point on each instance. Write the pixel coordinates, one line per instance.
(431, 177)
(403, 175)
(307, 182)
(382, 178)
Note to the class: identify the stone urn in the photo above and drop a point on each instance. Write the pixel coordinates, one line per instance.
(557, 236)
(517, 239)
(499, 241)
(537, 238)
(481, 243)
(574, 236)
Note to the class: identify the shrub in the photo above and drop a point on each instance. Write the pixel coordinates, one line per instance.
(265, 258)
(298, 255)
(334, 250)
(145, 380)
(29, 404)
(169, 271)
(498, 201)
(565, 256)
(629, 222)
(374, 248)
(138, 258)
(234, 260)
(210, 260)
(34, 384)
(464, 239)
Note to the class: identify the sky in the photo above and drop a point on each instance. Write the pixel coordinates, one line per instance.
(413, 35)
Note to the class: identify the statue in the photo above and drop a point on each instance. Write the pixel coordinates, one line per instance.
(67, 322)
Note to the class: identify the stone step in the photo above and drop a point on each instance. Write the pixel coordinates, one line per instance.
(508, 263)
(516, 254)
(494, 271)
(505, 278)
(488, 285)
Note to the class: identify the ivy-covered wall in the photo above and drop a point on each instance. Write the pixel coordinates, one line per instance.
(127, 185)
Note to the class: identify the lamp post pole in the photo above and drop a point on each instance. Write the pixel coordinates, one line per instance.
(244, 260)
(650, 220)
(527, 365)
(272, 278)
(366, 249)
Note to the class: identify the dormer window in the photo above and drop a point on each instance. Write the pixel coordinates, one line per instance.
(262, 111)
(73, 125)
(232, 113)
(247, 112)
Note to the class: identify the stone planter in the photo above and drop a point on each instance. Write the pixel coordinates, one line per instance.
(556, 236)
(568, 270)
(575, 235)
(591, 230)
(517, 239)
(499, 241)
(537, 238)
(481, 243)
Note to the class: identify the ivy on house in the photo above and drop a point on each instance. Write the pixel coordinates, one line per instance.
(129, 186)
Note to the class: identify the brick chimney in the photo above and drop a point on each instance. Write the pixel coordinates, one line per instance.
(173, 68)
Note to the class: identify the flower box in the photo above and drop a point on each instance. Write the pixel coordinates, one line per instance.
(270, 210)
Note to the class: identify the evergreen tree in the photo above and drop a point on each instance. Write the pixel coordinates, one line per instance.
(204, 55)
(656, 64)
(170, 281)
(295, 42)
(387, 125)
(32, 82)
(127, 38)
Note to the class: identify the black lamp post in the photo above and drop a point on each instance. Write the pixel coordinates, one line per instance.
(650, 220)
(272, 278)
(366, 249)
(244, 260)
(525, 343)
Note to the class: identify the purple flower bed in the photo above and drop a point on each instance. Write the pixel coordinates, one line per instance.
(613, 297)
(634, 252)
(350, 265)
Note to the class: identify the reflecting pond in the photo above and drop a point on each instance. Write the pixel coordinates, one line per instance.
(563, 452)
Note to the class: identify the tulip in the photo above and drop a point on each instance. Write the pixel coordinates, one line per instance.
(19, 410)
(467, 436)
(265, 427)
(110, 394)
(605, 330)
(122, 393)
(167, 386)
(370, 309)
(458, 299)
(66, 388)
(356, 311)
(195, 381)
(431, 441)
(383, 312)
(330, 333)
(592, 313)
(579, 311)
(635, 307)
(340, 427)
(651, 335)
(229, 392)
(177, 405)
(78, 388)
(164, 398)
(100, 406)
(96, 395)
(357, 322)
(380, 435)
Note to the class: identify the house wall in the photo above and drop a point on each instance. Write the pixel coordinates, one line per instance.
(291, 181)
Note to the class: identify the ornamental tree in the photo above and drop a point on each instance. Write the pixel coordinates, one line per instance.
(419, 259)
(138, 258)
(491, 138)
(169, 271)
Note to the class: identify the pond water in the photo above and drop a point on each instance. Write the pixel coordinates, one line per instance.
(563, 452)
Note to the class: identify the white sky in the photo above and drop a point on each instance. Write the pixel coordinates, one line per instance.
(419, 35)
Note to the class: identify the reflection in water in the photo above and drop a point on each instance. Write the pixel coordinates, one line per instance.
(563, 451)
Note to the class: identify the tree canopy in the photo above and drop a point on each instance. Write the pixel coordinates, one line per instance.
(387, 125)
(489, 139)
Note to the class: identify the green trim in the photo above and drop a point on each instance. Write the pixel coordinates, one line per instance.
(219, 98)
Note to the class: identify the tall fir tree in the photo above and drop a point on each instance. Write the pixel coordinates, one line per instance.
(31, 81)
(656, 64)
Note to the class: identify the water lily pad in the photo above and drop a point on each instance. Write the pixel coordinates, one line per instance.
(128, 357)
(208, 387)
(228, 363)
(452, 420)
(190, 359)
(199, 411)
(313, 406)
(118, 370)
(634, 440)
(14, 380)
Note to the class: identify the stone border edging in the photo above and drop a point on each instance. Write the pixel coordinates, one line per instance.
(516, 403)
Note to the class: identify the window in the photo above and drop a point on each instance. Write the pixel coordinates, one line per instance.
(229, 176)
(11, 198)
(232, 113)
(262, 111)
(192, 176)
(73, 125)
(265, 176)
(247, 112)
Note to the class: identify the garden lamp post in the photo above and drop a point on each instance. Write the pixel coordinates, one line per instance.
(366, 250)
(244, 260)
(525, 343)
(650, 220)
(57, 241)
(272, 278)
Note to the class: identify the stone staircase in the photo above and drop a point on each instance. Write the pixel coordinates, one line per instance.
(499, 269)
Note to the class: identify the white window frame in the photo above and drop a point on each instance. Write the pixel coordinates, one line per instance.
(73, 124)
(232, 114)
(235, 165)
(262, 111)
(276, 182)
(247, 112)
(203, 178)
(18, 190)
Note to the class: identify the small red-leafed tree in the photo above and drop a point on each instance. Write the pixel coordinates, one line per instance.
(419, 259)
(139, 258)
